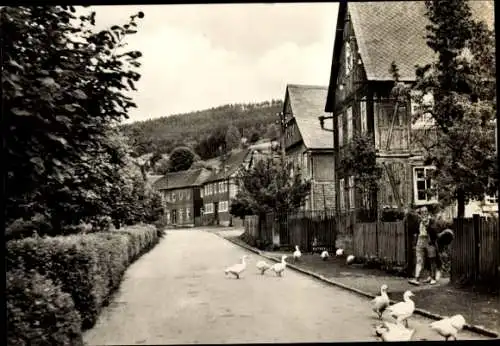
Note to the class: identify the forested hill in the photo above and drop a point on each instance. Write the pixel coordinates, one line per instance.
(204, 131)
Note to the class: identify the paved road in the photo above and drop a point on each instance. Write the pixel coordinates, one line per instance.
(178, 294)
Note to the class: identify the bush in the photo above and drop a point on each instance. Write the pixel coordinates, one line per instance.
(39, 312)
(86, 266)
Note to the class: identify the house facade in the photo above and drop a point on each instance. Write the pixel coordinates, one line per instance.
(307, 145)
(371, 36)
(181, 193)
(221, 187)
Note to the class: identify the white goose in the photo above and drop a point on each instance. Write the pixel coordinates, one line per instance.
(381, 302)
(279, 268)
(325, 255)
(349, 259)
(296, 254)
(237, 269)
(339, 252)
(394, 332)
(403, 310)
(262, 266)
(449, 327)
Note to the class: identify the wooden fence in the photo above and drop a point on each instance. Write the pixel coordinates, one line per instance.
(383, 240)
(475, 252)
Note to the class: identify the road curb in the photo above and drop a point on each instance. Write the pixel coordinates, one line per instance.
(422, 312)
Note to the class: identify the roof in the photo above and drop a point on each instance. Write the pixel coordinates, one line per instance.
(395, 31)
(308, 103)
(151, 179)
(390, 31)
(177, 180)
(234, 161)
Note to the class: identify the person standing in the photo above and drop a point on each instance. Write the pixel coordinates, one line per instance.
(425, 247)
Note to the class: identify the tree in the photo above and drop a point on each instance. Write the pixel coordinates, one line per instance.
(64, 91)
(233, 137)
(181, 159)
(270, 186)
(462, 83)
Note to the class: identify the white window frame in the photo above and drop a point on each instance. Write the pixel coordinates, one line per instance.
(349, 61)
(350, 124)
(340, 123)
(418, 201)
(363, 115)
(352, 195)
(341, 193)
(174, 196)
(188, 213)
(179, 215)
(305, 158)
(201, 192)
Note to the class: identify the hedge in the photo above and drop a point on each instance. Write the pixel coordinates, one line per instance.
(39, 312)
(88, 267)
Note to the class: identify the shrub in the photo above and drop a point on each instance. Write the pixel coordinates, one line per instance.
(86, 266)
(39, 312)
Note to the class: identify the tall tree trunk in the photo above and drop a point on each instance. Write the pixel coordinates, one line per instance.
(460, 203)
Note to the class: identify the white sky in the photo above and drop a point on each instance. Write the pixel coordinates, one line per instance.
(201, 56)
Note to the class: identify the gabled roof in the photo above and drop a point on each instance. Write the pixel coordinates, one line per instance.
(182, 179)
(307, 103)
(390, 31)
(233, 162)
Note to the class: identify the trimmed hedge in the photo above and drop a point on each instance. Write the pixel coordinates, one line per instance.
(39, 312)
(88, 267)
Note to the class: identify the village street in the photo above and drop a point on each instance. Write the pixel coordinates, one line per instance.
(178, 294)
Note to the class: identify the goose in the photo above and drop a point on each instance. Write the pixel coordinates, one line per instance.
(296, 254)
(350, 259)
(381, 302)
(279, 268)
(325, 255)
(449, 327)
(403, 310)
(393, 332)
(263, 266)
(339, 252)
(237, 269)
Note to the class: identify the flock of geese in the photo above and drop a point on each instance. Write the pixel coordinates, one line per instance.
(400, 312)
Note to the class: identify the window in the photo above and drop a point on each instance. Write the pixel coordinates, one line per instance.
(201, 193)
(180, 215)
(348, 58)
(174, 196)
(223, 206)
(422, 184)
(216, 190)
(221, 186)
(491, 199)
(349, 124)
(205, 188)
(209, 208)
(341, 129)
(351, 192)
(305, 166)
(168, 216)
(188, 213)
(210, 189)
(364, 119)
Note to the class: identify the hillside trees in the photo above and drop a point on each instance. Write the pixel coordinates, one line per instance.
(463, 105)
(233, 138)
(64, 91)
(181, 159)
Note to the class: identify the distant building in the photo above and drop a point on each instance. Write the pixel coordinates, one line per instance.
(181, 196)
(309, 147)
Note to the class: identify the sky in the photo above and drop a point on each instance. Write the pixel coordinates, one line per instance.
(201, 56)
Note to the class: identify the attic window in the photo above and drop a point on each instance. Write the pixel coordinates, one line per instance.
(348, 58)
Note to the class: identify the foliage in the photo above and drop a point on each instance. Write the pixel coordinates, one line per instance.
(270, 186)
(181, 159)
(463, 107)
(240, 208)
(64, 88)
(38, 312)
(96, 262)
(164, 134)
(359, 160)
(233, 138)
